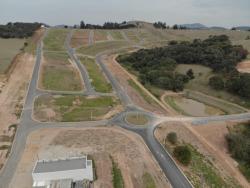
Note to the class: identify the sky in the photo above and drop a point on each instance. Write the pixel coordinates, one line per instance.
(226, 13)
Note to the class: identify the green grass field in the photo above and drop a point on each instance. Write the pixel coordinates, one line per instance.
(98, 79)
(93, 50)
(117, 175)
(58, 74)
(73, 108)
(54, 41)
(8, 49)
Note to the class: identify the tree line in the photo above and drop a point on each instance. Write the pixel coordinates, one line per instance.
(157, 66)
(107, 25)
(163, 25)
(18, 30)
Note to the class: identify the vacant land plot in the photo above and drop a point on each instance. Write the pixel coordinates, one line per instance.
(209, 167)
(116, 35)
(54, 41)
(80, 38)
(99, 81)
(8, 49)
(201, 83)
(125, 148)
(101, 47)
(192, 107)
(71, 108)
(100, 35)
(58, 74)
(132, 35)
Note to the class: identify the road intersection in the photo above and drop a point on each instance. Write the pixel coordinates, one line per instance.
(27, 124)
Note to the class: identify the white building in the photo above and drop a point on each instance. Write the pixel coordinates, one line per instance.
(62, 172)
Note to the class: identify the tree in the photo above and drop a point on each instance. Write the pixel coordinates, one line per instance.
(82, 25)
(172, 137)
(190, 74)
(216, 82)
(175, 27)
(183, 154)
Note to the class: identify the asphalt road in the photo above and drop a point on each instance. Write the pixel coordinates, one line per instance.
(28, 125)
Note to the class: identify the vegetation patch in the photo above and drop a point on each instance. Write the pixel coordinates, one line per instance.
(72, 108)
(58, 74)
(198, 168)
(239, 146)
(117, 175)
(116, 35)
(136, 119)
(8, 49)
(98, 79)
(158, 66)
(55, 39)
(101, 47)
(148, 181)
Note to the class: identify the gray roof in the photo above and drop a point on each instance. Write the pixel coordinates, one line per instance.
(60, 165)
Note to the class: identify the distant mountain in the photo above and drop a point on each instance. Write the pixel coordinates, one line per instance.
(194, 26)
(245, 28)
(217, 28)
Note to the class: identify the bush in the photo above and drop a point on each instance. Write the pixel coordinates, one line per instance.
(172, 137)
(183, 154)
(216, 82)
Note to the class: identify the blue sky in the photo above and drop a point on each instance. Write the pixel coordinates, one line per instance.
(225, 13)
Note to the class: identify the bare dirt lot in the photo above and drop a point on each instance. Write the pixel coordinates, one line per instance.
(127, 149)
(210, 141)
(244, 67)
(12, 97)
(80, 38)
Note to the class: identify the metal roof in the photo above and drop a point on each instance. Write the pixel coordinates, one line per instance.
(60, 165)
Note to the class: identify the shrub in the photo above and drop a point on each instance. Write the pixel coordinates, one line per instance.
(216, 82)
(172, 137)
(183, 154)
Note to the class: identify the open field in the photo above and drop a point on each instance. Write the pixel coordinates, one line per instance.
(79, 38)
(69, 108)
(132, 35)
(97, 77)
(54, 41)
(201, 81)
(211, 163)
(9, 48)
(116, 35)
(58, 73)
(125, 147)
(102, 46)
(100, 35)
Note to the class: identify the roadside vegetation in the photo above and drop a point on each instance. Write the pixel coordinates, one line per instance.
(93, 50)
(239, 146)
(148, 181)
(55, 39)
(199, 169)
(58, 74)
(136, 119)
(99, 81)
(72, 108)
(117, 175)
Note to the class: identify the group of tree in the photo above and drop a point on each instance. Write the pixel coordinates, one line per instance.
(18, 30)
(107, 25)
(160, 25)
(178, 27)
(157, 66)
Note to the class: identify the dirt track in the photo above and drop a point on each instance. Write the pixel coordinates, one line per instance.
(244, 67)
(127, 149)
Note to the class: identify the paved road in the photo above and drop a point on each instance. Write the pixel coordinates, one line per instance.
(28, 125)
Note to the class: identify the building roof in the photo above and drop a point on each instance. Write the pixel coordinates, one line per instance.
(60, 165)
